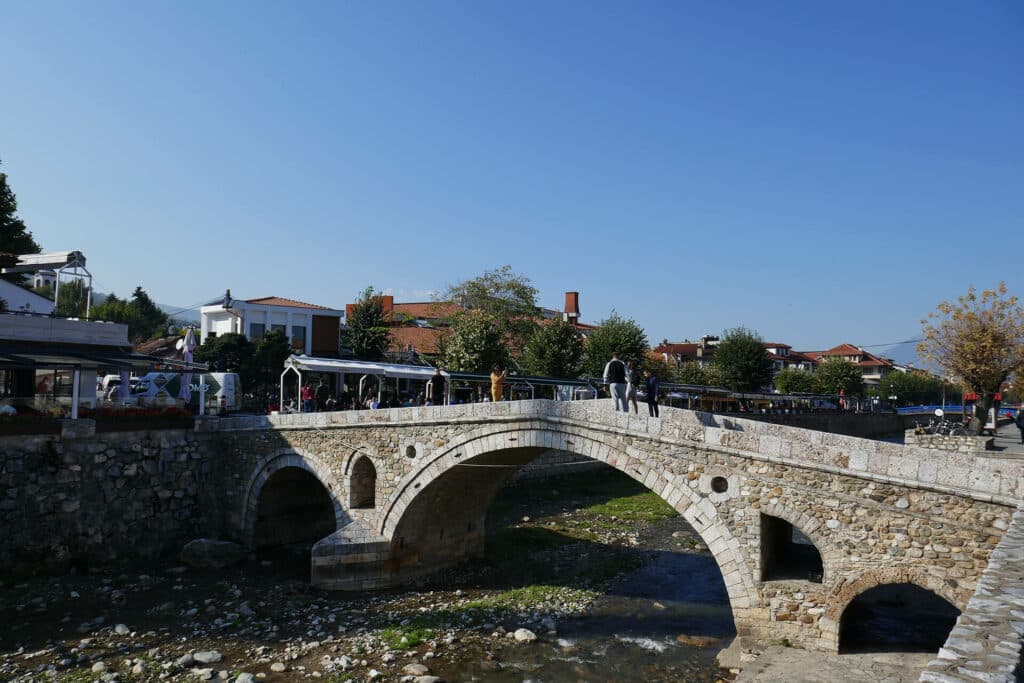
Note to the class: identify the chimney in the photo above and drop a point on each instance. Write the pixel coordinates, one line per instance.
(387, 302)
(572, 306)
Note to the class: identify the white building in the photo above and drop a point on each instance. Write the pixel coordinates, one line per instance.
(311, 329)
(24, 301)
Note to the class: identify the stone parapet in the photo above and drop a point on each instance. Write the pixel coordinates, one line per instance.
(985, 644)
(960, 443)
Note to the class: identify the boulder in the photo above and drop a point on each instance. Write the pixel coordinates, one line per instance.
(209, 553)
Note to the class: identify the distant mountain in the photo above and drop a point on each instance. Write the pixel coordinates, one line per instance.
(906, 354)
(190, 316)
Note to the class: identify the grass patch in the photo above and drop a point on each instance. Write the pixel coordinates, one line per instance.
(529, 597)
(640, 507)
(405, 637)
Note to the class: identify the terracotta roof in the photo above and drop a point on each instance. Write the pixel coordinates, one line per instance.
(422, 339)
(281, 301)
(164, 347)
(427, 309)
(843, 350)
(775, 345)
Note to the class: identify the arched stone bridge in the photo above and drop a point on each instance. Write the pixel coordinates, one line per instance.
(409, 490)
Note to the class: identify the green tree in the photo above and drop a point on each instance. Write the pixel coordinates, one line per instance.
(979, 339)
(507, 299)
(554, 350)
(691, 372)
(269, 354)
(659, 367)
(474, 344)
(368, 333)
(230, 352)
(14, 236)
(144, 319)
(614, 335)
(836, 374)
(795, 381)
(74, 295)
(742, 362)
(153, 321)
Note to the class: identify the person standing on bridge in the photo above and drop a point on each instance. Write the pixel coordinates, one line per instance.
(652, 387)
(498, 382)
(1020, 422)
(615, 376)
(437, 388)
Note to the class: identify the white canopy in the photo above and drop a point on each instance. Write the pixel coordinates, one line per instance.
(304, 363)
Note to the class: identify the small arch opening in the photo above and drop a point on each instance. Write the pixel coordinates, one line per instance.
(719, 484)
(363, 484)
(787, 554)
(294, 509)
(410, 452)
(896, 617)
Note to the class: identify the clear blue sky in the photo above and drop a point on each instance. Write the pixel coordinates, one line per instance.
(820, 172)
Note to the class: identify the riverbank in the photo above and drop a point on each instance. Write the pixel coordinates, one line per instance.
(586, 578)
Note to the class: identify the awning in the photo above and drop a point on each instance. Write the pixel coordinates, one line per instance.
(357, 367)
(20, 356)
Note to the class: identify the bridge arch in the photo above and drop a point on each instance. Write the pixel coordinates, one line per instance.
(280, 460)
(811, 527)
(696, 509)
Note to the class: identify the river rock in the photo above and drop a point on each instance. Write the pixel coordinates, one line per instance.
(245, 678)
(99, 667)
(524, 635)
(278, 667)
(202, 674)
(696, 641)
(415, 669)
(428, 679)
(185, 660)
(209, 553)
(208, 657)
(122, 630)
(374, 674)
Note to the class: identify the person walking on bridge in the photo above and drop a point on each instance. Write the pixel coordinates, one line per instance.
(1020, 422)
(652, 387)
(615, 376)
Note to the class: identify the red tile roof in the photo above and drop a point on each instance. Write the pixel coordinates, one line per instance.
(281, 301)
(427, 309)
(422, 339)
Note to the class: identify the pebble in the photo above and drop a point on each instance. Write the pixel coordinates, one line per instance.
(524, 635)
(99, 667)
(415, 669)
(207, 657)
(374, 674)
(122, 630)
(245, 678)
(185, 660)
(278, 667)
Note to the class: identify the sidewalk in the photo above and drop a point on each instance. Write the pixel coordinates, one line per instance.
(1007, 441)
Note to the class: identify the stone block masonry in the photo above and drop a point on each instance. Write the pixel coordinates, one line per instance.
(97, 498)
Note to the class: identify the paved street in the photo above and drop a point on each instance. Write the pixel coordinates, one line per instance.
(1008, 441)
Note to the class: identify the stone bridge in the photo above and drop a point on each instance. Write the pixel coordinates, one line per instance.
(397, 494)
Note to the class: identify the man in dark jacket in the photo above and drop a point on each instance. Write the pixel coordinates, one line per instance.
(1020, 422)
(652, 387)
(437, 386)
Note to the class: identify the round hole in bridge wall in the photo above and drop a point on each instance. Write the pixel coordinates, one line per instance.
(719, 484)
(410, 451)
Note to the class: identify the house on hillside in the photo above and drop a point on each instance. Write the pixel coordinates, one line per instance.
(872, 368)
(701, 351)
(313, 330)
(418, 327)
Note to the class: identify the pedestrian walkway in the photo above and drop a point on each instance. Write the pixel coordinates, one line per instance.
(1007, 441)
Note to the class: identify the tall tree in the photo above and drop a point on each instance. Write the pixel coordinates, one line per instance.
(368, 333)
(742, 361)
(74, 295)
(474, 344)
(795, 381)
(230, 352)
(505, 298)
(615, 335)
(14, 236)
(691, 372)
(837, 374)
(554, 350)
(979, 339)
(269, 354)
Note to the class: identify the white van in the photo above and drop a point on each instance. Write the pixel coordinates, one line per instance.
(162, 388)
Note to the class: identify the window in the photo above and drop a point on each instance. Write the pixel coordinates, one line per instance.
(298, 337)
(279, 328)
(256, 330)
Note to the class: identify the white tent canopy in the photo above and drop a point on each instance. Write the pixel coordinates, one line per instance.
(302, 363)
